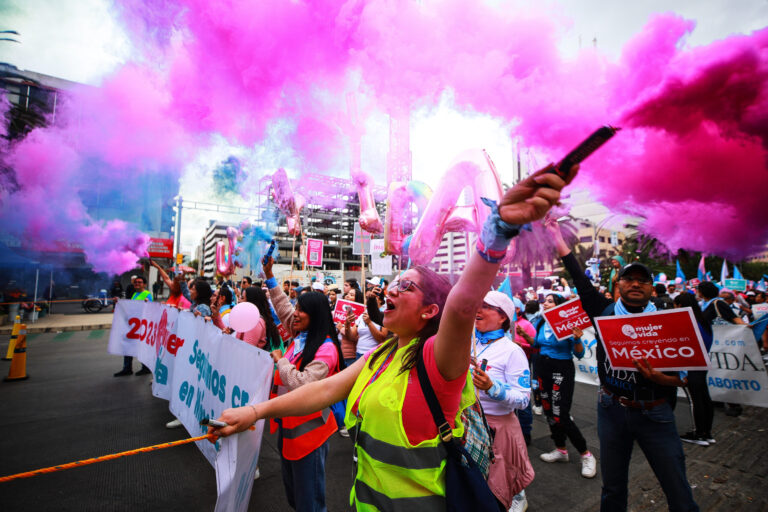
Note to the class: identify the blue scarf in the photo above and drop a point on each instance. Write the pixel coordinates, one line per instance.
(486, 337)
(622, 310)
(298, 343)
(705, 304)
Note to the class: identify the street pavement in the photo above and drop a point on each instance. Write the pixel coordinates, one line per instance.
(71, 408)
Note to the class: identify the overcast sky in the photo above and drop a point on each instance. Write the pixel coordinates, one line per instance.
(79, 40)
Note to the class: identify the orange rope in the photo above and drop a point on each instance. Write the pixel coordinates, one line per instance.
(85, 462)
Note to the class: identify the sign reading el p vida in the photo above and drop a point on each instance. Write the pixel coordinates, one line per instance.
(563, 318)
(669, 340)
(201, 372)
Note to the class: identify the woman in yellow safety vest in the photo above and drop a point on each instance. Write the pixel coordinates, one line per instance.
(401, 462)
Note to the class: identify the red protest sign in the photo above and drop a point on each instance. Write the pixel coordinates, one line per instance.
(669, 340)
(160, 248)
(563, 318)
(340, 311)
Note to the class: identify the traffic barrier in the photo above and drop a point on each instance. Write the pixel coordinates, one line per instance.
(18, 370)
(14, 337)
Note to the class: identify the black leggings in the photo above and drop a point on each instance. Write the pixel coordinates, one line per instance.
(702, 410)
(556, 380)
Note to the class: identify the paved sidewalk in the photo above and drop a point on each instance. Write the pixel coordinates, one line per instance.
(61, 323)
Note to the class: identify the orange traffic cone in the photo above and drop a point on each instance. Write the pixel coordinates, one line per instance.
(14, 336)
(18, 369)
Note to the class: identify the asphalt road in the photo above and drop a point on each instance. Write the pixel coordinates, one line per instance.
(72, 408)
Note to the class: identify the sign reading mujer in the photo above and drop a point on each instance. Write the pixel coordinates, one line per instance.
(669, 340)
(201, 371)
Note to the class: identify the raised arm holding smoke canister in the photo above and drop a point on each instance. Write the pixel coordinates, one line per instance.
(432, 325)
(633, 406)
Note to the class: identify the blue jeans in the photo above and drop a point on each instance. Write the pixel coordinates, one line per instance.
(654, 430)
(525, 417)
(304, 479)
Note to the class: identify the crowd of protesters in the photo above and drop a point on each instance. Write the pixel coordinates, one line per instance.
(500, 352)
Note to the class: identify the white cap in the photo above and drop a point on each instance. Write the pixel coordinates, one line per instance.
(501, 301)
(318, 286)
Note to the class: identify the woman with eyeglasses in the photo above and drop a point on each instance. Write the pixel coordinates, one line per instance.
(556, 376)
(503, 382)
(400, 457)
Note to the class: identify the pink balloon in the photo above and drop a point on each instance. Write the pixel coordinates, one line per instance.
(678, 280)
(244, 317)
(225, 253)
(399, 198)
(369, 216)
(288, 203)
(662, 278)
(472, 169)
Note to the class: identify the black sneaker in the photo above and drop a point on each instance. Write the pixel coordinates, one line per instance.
(708, 438)
(123, 372)
(144, 371)
(691, 437)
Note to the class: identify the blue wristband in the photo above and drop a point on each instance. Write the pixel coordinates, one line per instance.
(496, 234)
(271, 283)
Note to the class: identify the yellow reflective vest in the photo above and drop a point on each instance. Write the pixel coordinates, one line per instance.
(392, 474)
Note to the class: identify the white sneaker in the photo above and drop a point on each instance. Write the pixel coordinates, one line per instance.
(343, 432)
(173, 424)
(537, 410)
(257, 474)
(588, 466)
(519, 502)
(554, 456)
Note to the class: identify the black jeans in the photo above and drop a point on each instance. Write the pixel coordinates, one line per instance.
(702, 409)
(556, 379)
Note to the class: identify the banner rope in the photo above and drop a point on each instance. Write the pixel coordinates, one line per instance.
(103, 458)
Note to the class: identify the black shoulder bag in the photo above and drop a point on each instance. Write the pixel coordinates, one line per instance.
(466, 490)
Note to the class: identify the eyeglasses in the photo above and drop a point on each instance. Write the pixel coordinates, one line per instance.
(404, 285)
(639, 280)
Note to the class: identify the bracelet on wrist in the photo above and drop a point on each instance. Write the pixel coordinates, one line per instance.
(495, 236)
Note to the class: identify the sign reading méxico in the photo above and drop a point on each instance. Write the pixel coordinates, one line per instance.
(563, 318)
(669, 340)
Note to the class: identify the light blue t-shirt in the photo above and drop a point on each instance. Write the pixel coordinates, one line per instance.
(550, 347)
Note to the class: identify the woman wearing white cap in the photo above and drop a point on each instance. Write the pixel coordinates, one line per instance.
(504, 386)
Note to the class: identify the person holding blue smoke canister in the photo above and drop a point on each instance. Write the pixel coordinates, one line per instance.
(313, 355)
(401, 455)
(633, 406)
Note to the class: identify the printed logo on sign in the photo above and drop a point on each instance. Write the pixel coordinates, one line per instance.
(628, 330)
(565, 313)
(641, 331)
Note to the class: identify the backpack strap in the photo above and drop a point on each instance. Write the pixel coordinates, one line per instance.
(446, 433)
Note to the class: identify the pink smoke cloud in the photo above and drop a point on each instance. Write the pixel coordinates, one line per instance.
(694, 118)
